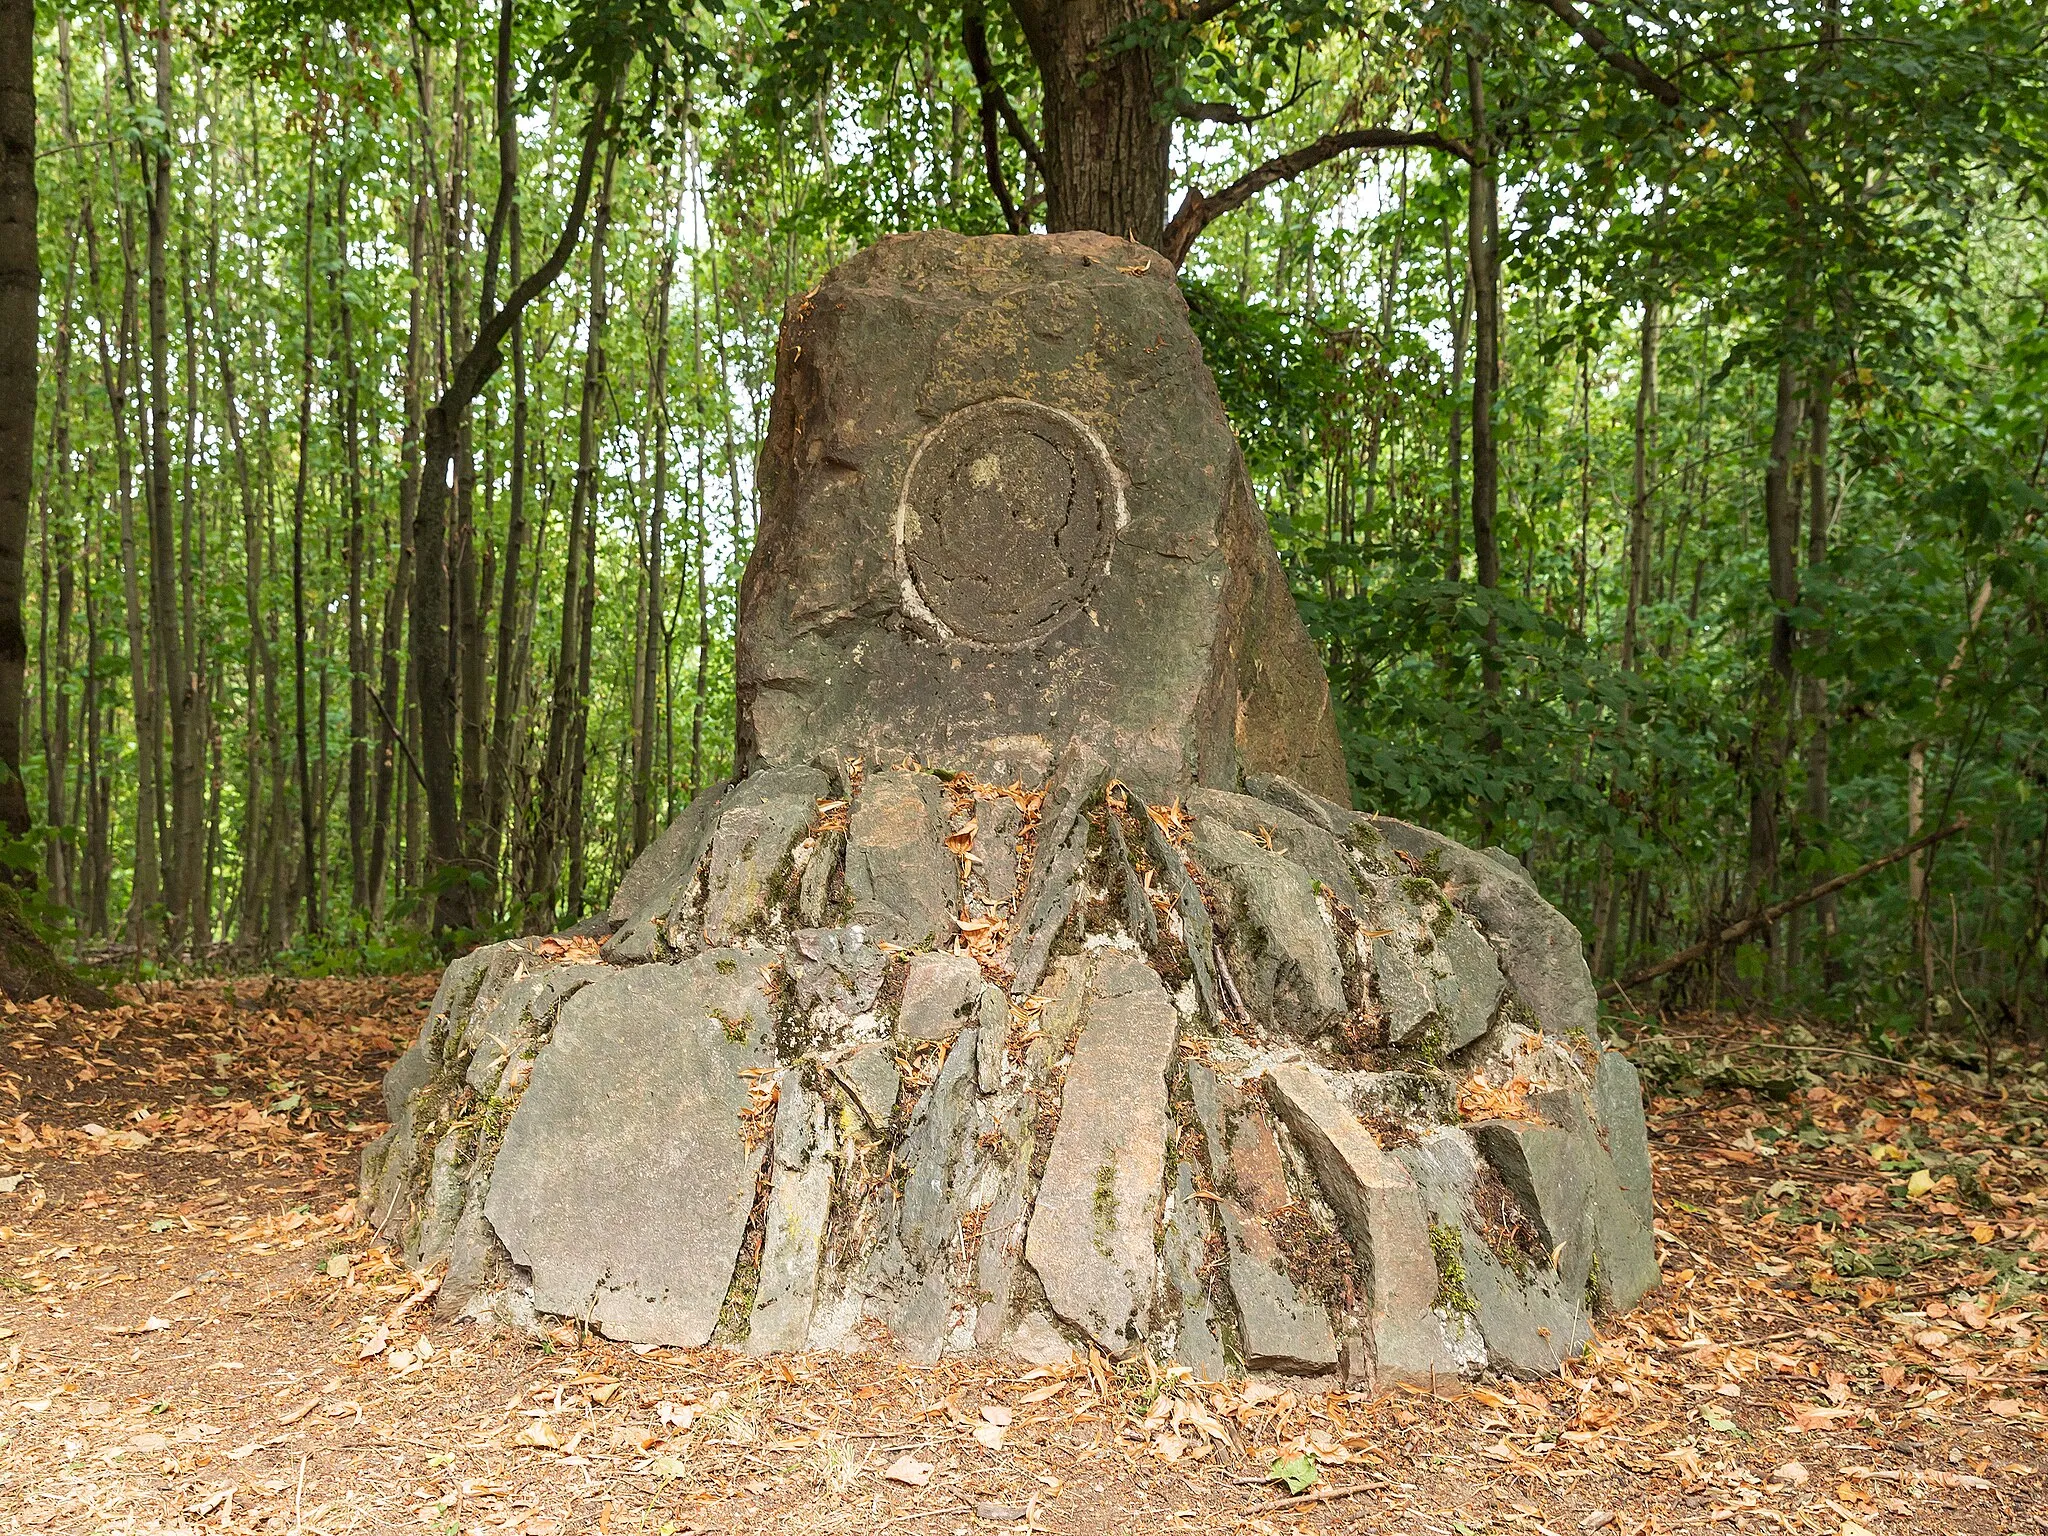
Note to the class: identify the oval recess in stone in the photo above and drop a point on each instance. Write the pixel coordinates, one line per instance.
(1005, 524)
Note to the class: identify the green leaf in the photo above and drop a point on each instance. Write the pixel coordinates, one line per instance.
(1298, 1472)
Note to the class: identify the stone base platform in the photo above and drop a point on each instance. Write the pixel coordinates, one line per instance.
(888, 1059)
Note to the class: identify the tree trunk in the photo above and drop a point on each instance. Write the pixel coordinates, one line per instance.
(499, 789)
(454, 871)
(20, 296)
(1813, 694)
(1605, 947)
(1482, 227)
(1768, 727)
(555, 791)
(54, 687)
(181, 687)
(310, 865)
(358, 638)
(1105, 144)
(1461, 335)
(652, 662)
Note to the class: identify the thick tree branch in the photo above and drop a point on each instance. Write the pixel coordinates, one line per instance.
(974, 40)
(482, 359)
(991, 88)
(1199, 209)
(1611, 53)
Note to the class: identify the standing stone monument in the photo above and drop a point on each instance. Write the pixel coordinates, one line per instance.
(1034, 986)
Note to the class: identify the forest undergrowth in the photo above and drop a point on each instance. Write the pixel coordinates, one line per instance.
(198, 1333)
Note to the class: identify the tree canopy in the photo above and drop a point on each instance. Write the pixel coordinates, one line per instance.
(1646, 401)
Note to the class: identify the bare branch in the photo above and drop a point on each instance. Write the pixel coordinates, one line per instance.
(1029, 13)
(1611, 53)
(1224, 112)
(974, 39)
(1199, 209)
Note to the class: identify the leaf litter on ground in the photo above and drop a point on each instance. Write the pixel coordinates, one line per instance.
(198, 1327)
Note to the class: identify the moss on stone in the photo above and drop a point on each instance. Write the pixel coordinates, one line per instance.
(1448, 1245)
(1105, 1208)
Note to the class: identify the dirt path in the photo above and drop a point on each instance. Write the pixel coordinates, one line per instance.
(198, 1334)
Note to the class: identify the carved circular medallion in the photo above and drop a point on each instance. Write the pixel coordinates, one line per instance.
(1006, 521)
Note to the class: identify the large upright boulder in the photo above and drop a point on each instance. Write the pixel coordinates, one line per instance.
(1001, 508)
(1036, 985)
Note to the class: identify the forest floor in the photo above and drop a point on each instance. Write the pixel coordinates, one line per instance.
(197, 1333)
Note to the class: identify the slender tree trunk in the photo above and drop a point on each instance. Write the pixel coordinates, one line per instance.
(359, 726)
(1605, 948)
(556, 791)
(498, 794)
(652, 661)
(310, 868)
(145, 887)
(1814, 699)
(1768, 728)
(433, 678)
(54, 688)
(20, 297)
(1461, 334)
(396, 709)
(179, 688)
(1483, 238)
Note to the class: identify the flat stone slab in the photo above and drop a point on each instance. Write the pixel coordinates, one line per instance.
(1091, 1239)
(799, 1207)
(624, 1182)
(870, 1074)
(904, 884)
(1280, 1328)
(1383, 1213)
(1281, 946)
(941, 993)
(760, 821)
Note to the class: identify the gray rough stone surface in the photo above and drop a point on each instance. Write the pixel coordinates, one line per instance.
(1529, 1320)
(904, 884)
(1091, 1236)
(669, 863)
(870, 1074)
(1282, 950)
(761, 820)
(624, 1182)
(839, 968)
(992, 1028)
(996, 825)
(1282, 1330)
(407, 1075)
(1198, 932)
(1383, 1214)
(1539, 948)
(519, 1011)
(1002, 509)
(814, 886)
(941, 992)
(1305, 842)
(799, 1206)
(1184, 1255)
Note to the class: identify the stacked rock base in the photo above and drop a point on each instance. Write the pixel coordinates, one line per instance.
(892, 1060)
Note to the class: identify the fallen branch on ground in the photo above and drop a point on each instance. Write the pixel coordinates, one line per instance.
(1742, 929)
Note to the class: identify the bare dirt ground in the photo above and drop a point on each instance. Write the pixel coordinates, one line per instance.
(197, 1333)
